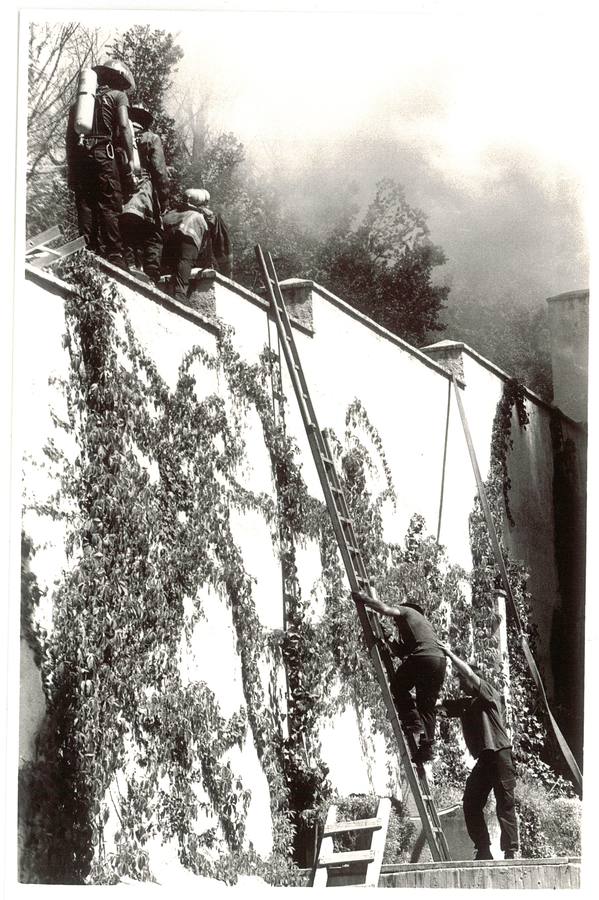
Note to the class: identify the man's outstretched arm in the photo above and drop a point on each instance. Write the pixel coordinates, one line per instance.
(461, 666)
(377, 605)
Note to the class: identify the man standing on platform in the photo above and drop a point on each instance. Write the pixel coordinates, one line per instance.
(92, 165)
(481, 713)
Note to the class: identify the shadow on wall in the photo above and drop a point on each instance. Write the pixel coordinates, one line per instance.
(567, 635)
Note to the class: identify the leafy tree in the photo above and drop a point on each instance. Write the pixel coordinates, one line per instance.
(251, 206)
(513, 336)
(56, 55)
(384, 265)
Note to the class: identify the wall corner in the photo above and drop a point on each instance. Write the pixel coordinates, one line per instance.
(449, 355)
(297, 293)
(202, 292)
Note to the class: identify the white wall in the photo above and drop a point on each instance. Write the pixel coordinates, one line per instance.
(406, 398)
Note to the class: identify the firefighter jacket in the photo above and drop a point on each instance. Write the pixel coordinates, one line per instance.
(188, 222)
(151, 194)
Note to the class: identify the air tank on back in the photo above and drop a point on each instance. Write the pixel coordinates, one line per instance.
(84, 105)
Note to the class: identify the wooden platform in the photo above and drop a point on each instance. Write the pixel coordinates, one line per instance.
(502, 874)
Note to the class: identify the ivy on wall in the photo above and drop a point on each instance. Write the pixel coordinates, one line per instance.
(141, 548)
(533, 752)
(149, 502)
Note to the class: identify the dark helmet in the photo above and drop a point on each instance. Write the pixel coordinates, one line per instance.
(116, 74)
(141, 114)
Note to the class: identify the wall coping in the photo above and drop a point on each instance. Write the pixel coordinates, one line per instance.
(389, 869)
(477, 864)
(496, 370)
(55, 285)
(583, 294)
(379, 329)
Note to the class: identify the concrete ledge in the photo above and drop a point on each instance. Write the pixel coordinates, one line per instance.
(503, 874)
(378, 329)
(541, 874)
(449, 355)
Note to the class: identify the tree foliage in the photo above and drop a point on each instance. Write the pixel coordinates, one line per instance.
(384, 265)
(512, 335)
(56, 54)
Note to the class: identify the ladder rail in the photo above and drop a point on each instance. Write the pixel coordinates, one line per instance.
(328, 858)
(352, 558)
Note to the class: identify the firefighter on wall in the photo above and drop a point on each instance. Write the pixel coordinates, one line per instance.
(99, 123)
(140, 222)
(188, 230)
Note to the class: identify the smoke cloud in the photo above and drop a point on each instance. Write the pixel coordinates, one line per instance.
(512, 231)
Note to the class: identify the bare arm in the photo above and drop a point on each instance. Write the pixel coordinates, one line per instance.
(378, 606)
(462, 667)
(125, 133)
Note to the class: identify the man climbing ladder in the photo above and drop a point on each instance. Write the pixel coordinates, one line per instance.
(357, 575)
(422, 667)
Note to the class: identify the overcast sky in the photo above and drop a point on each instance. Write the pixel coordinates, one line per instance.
(483, 111)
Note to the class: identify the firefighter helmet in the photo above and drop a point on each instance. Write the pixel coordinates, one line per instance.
(196, 197)
(116, 74)
(141, 115)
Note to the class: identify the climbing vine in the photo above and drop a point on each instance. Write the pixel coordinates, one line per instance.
(512, 397)
(527, 720)
(131, 749)
(152, 486)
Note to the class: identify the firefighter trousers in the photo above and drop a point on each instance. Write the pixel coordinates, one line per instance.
(494, 771)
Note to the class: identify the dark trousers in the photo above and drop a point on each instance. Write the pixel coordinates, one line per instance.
(179, 257)
(425, 674)
(142, 244)
(494, 770)
(99, 201)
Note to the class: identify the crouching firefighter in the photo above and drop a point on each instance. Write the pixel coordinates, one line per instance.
(98, 124)
(193, 236)
(140, 221)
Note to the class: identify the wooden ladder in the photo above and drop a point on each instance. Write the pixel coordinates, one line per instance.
(355, 568)
(355, 867)
(38, 254)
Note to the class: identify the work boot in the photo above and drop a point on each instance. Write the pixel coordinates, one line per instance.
(424, 754)
(483, 853)
(509, 854)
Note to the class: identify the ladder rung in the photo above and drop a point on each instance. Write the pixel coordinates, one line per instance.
(38, 239)
(357, 825)
(347, 856)
(344, 529)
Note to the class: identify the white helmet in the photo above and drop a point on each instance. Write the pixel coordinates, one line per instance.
(196, 197)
